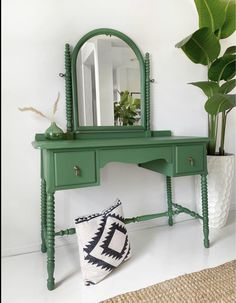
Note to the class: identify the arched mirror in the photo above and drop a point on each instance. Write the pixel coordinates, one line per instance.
(108, 83)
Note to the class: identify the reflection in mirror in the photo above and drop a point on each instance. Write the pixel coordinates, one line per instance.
(108, 82)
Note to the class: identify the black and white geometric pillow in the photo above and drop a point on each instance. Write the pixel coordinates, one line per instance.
(103, 243)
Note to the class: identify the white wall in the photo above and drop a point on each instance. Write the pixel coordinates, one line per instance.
(34, 34)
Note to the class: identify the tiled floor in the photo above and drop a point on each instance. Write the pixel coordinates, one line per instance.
(159, 253)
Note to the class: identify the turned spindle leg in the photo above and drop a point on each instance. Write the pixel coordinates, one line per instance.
(205, 210)
(43, 215)
(50, 240)
(169, 200)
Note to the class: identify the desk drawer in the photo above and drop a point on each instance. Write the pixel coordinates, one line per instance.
(75, 168)
(189, 158)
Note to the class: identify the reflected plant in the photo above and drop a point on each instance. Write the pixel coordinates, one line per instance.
(127, 109)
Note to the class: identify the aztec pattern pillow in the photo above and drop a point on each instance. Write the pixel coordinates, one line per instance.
(103, 243)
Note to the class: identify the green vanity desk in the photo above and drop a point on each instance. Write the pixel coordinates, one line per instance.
(107, 91)
(68, 164)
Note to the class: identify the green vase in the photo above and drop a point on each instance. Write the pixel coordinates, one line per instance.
(54, 132)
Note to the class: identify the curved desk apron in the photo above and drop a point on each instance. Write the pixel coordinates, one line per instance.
(68, 164)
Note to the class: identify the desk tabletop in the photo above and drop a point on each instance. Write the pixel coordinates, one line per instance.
(119, 142)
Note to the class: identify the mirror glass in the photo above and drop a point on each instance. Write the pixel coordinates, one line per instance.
(108, 83)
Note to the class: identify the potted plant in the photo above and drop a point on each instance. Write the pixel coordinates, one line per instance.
(216, 22)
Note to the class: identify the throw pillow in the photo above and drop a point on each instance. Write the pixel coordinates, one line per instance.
(103, 242)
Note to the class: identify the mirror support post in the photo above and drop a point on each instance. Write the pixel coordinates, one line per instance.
(68, 88)
(147, 91)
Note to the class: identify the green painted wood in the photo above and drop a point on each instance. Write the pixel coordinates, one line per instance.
(116, 134)
(50, 240)
(79, 185)
(43, 215)
(181, 209)
(68, 89)
(133, 46)
(127, 142)
(147, 91)
(66, 136)
(41, 164)
(157, 154)
(134, 155)
(189, 158)
(145, 217)
(45, 236)
(205, 210)
(160, 133)
(160, 166)
(115, 129)
(98, 135)
(49, 170)
(66, 232)
(68, 164)
(75, 168)
(169, 200)
(76, 160)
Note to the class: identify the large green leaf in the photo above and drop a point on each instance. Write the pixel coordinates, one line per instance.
(219, 103)
(210, 13)
(229, 25)
(230, 50)
(209, 88)
(227, 86)
(223, 68)
(201, 47)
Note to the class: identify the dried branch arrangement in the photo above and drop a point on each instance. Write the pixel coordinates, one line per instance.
(36, 111)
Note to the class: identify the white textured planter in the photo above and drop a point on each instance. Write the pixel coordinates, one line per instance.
(220, 177)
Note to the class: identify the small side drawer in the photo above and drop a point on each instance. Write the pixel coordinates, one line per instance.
(189, 158)
(74, 168)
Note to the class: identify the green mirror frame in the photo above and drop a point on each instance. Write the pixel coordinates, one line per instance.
(72, 94)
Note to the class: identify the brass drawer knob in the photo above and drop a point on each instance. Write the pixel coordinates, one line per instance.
(77, 170)
(191, 161)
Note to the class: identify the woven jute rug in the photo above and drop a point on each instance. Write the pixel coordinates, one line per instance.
(216, 284)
